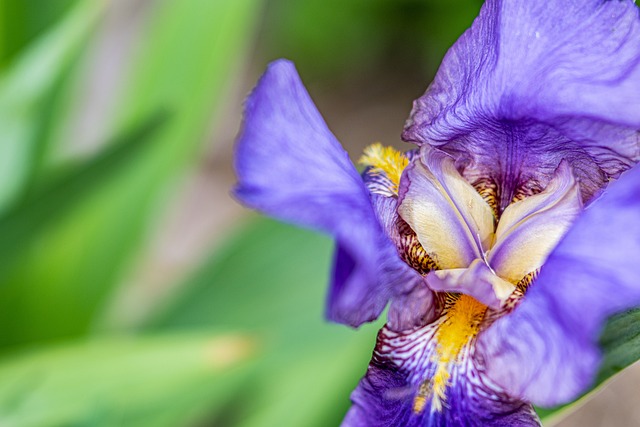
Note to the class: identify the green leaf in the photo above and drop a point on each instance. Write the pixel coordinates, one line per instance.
(263, 277)
(27, 92)
(271, 279)
(312, 389)
(189, 54)
(620, 343)
(64, 279)
(142, 381)
(23, 20)
(28, 263)
(40, 210)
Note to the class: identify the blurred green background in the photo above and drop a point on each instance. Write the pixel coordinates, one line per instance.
(133, 290)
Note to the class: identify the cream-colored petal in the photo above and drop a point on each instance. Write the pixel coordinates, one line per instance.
(451, 220)
(529, 229)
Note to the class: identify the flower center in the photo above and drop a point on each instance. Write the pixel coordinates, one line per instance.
(476, 254)
(448, 230)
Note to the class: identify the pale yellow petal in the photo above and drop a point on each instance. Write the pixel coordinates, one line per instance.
(451, 220)
(529, 229)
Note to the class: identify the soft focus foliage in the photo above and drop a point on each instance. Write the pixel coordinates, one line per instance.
(242, 341)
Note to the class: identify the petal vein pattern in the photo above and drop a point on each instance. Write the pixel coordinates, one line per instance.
(533, 83)
(403, 386)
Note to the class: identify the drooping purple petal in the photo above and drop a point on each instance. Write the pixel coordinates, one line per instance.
(385, 396)
(532, 83)
(412, 308)
(546, 350)
(290, 166)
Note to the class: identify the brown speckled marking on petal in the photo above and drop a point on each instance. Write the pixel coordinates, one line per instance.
(412, 251)
(525, 190)
(488, 189)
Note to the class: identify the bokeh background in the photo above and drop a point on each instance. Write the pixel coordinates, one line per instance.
(134, 290)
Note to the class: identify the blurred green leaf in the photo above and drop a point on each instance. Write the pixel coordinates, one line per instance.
(265, 275)
(188, 53)
(23, 20)
(271, 279)
(361, 38)
(57, 197)
(26, 94)
(185, 63)
(313, 388)
(620, 343)
(28, 226)
(142, 381)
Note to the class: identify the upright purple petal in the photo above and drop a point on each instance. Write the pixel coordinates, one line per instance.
(532, 83)
(546, 350)
(290, 166)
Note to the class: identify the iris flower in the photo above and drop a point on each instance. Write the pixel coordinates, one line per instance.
(503, 242)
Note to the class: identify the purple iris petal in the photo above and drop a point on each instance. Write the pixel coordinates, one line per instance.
(412, 308)
(546, 350)
(532, 83)
(385, 396)
(290, 166)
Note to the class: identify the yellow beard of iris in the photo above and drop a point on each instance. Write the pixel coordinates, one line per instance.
(460, 325)
(386, 160)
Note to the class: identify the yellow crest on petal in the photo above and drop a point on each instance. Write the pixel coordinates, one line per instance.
(385, 160)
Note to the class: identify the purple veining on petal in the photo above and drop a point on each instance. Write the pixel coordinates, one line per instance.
(385, 396)
(413, 308)
(532, 83)
(290, 166)
(591, 275)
